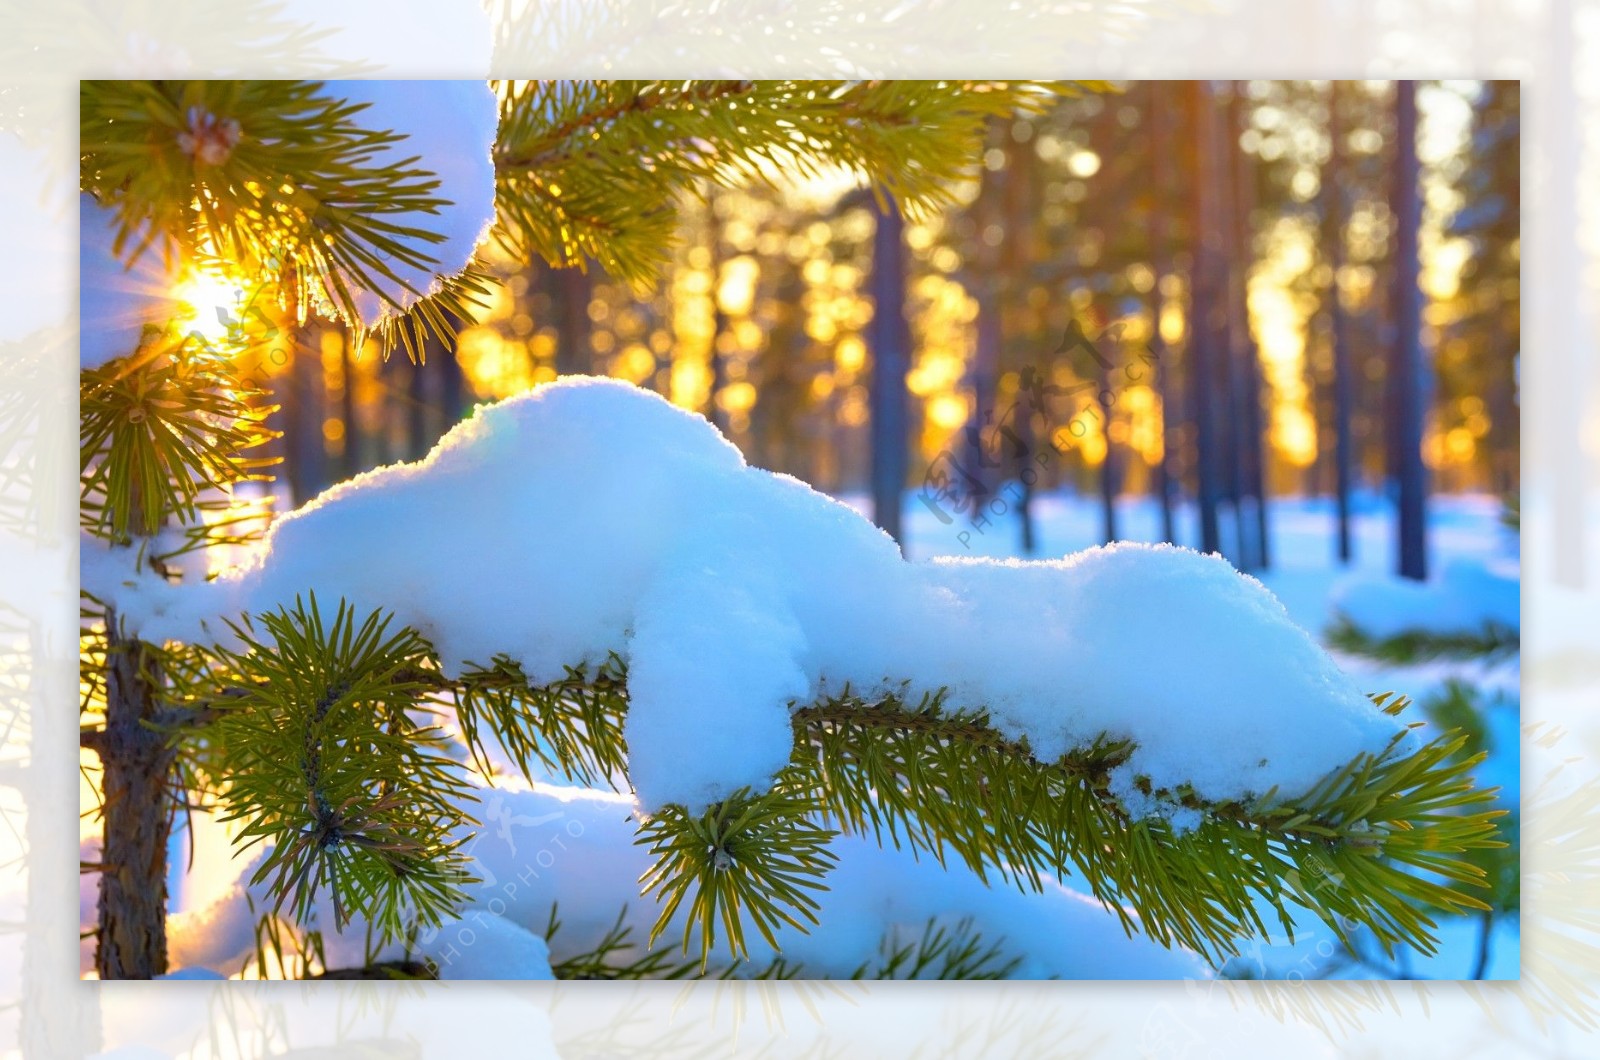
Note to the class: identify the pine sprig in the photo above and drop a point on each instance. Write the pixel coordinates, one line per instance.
(572, 727)
(277, 177)
(955, 951)
(1492, 642)
(751, 856)
(616, 956)
(959, 786)
(160, 430)
(595, 169)
(339, 767)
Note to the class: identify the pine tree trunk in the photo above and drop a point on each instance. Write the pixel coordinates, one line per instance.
(1206, 301)
(1410, 389)
(890, 342)
(719, 319)
(1334, 222)
(132, 927)
(573, 288)
(1160, 236)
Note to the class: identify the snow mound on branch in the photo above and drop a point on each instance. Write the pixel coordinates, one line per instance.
(1466, 596)
(574, 852)
(450, 127)
(589, 517)
(116, 300)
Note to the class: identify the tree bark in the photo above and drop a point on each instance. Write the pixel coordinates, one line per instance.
(136, 758)
(1410, 387)
(1334, 223)
(1207, 292)
(1160, 236)
(890, 342)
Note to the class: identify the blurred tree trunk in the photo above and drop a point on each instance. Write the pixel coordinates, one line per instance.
(1159, 233)
(1208, 295)
(571, 289)
(1333, 242)
(351, 460)
(452, 384)
(983, 374)
(889, 342)
(418, 400)
(1409, 381)
(1108, 474)
(1254, 546)
(1016, 255)
(719, 319)
(301, 396)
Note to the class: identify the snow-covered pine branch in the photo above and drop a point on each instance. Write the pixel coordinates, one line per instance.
(1147, 697)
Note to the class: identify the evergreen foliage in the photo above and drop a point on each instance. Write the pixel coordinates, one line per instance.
(324, 735)
(593, 169)
(1492, 642)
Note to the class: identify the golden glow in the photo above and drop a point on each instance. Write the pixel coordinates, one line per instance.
(948, 411)
(211, 304)
(736, 292)
(850, 354)
(737, 397)
(1279, 317)
(494, 366)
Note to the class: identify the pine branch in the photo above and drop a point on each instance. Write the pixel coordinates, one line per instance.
(276, 178)
(323, 761)
(572, 726)
(595, 169)
(957, 952)
(1492, 643)
(158, 432)
(336, 764)
(960, 787)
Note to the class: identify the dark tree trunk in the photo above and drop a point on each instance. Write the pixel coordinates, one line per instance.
(1410, 386)
(1333, 193)
(889, 339)
(131, 935)
(1255, 546)
(1016, 255)
(418, 441)
(351, 462)
(1160, 236)
(1108, 469)
(572, 290)
(452, 384)
(719, 319)
(1208, 295)
(302, 399)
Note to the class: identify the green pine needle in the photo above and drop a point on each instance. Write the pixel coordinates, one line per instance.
(339, 766)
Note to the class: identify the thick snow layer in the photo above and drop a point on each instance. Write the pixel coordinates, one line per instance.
(116, 300)
(575, 850)
(589, 517)
(1465, 597)
(450, 126)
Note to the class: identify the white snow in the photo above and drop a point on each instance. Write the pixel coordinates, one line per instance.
(450, 126)
(590, 516)
(575, 850)
(1466, 596)
(116, 300)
